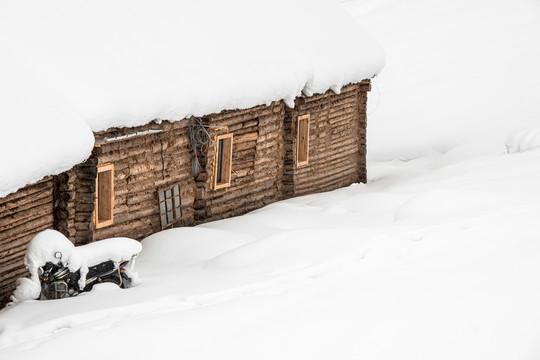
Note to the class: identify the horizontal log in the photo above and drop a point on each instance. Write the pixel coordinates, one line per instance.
(15, 218)
(9, 276)
(331, 184)
(28, 202)
(252, 136)
(28, 190)
(244, 146)
(13, 223)
(133, 229)
(31, 227)
(12, 255)
(25, 196)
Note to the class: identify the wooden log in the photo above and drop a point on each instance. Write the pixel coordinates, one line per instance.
(13, 219)
(24, 204)
(38, 214)
(244, 146)
(24, 236)
(24, 197)
(252, 136)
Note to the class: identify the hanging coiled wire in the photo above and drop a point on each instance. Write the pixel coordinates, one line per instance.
(200, 139)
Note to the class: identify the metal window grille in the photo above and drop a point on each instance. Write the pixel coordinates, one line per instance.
(170, 206)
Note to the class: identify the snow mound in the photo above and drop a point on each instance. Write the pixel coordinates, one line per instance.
(51, 246)
(115, 249)
(523, 140)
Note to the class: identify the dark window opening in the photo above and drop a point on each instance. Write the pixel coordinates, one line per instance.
(302, 141)
(223, 161)
(104, 204)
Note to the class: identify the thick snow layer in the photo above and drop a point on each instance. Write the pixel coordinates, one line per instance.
(115, 249)
(52, 246)
(40, 134)
(126, 63)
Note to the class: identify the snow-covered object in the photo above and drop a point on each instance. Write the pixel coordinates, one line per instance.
(115, 249)
(126, 63)
(53, 246)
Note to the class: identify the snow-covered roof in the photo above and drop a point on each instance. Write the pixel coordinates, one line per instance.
(81, 65)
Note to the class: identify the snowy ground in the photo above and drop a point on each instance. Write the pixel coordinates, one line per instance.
(428, 260)
(437, 257)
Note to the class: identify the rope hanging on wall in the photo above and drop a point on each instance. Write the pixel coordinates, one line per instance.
(199, 142)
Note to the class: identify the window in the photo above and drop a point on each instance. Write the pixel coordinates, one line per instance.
(223, 161)
(170, 206)
(104, 205)
(302, 141)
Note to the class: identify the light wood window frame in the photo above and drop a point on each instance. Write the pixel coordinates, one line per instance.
(170, 205)
(302, 140)
(223, 161)
(104, 202)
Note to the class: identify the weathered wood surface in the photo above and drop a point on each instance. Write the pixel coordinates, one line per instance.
(143, 164)
(23, 214)
(257, 163)
(337, 141)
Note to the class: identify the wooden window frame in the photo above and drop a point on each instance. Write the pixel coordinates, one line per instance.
(110, 220)
(225, 155)
(302, 141)
(175, 210)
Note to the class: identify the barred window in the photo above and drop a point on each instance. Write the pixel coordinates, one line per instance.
(170, 206)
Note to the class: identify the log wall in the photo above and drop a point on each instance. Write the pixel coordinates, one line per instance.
(74, 212)
(257, 163)
(23, 214)
(337, 141)
(142, 165)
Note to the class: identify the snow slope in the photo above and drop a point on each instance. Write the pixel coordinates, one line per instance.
(437, 257)
(426, 261)
(126, 63)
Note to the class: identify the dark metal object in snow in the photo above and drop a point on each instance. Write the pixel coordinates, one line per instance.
(58, 282)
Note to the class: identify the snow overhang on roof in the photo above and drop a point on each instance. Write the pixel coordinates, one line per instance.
(122, 63)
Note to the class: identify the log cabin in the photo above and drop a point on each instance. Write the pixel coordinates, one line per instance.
(140, 177)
